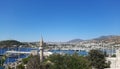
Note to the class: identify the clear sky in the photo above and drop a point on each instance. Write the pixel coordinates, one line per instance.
(58, 20)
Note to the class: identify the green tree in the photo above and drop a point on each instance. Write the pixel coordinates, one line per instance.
(68, 62)
(97, 59)
(2, 60)
(57, 61)
(33, 63)
(25, 60)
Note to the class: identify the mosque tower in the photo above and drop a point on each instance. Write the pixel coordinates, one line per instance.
(41, 49)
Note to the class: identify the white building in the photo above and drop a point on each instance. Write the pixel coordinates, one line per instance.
(115, 61)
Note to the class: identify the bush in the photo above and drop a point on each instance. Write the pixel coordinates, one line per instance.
(21, 66)
(113, 55)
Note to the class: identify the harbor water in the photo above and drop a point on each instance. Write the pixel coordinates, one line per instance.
(15, 57)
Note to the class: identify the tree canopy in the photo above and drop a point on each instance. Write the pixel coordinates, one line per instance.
(97, 59)
(34, 63)
(57, 61)
(68, 62)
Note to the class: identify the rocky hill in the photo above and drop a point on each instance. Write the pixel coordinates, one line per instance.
(110, 38)
(106, 39)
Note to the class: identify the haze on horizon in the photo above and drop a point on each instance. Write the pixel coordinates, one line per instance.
(58, 20)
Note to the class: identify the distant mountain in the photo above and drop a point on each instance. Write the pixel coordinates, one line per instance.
(75, 41)
(109, 38)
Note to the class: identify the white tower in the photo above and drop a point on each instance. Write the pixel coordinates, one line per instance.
(41, 49)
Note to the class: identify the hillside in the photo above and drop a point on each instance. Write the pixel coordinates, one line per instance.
(110, 38)
(10, 43)
(75, 41)
(106, 39)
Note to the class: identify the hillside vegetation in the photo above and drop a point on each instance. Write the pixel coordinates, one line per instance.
(10, 43)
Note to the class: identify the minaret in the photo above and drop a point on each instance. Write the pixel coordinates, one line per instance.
(41, 49)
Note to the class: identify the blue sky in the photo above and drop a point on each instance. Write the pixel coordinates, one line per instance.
(58, 20)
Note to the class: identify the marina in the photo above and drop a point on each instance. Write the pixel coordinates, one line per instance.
(25, 52)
